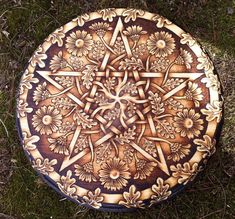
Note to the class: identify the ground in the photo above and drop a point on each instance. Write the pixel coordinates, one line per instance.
(23, 26)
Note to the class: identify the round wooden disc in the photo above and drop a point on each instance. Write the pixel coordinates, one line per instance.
(119, 109)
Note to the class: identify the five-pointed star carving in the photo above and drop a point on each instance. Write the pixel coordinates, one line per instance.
(104, 72)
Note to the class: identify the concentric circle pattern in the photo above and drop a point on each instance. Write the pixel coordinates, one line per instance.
(118, 109)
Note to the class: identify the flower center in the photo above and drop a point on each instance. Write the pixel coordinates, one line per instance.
(114, 174)
(188, 123)
(161, 44)
(79, 43)
(47, 120)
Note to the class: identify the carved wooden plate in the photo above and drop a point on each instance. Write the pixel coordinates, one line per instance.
(119, 109)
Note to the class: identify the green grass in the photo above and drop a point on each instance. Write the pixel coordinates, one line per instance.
(28, 22)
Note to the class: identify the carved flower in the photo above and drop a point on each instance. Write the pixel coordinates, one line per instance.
(213, 111)
(185, 173)
(57, 37)
(144, 169)
(100, 28)
(187, 123)
(212, 81)
(47, 120)
(94, 199)
(207, 145)
(44, 166)
(108, 14)
(134, 32)
(58, 62)
(37, 58)
(161, 21)
(185, 58)
(161, 191)
(194, 93)
(131, 14)
(41, 93)
(59, 145)
(26, 81)
(114, 174)
(132, 198)
(187, 39)
(79, 43)
(178, 151)
(161, 44)
(66, 185)
(29, 141)
(22, 108)
(205, 63)
(85, 172)
(81, 19)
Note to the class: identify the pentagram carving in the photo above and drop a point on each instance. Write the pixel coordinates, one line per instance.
(120, 107)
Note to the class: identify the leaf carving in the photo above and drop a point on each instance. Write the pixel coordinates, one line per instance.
(131, 109)
(213, 111)
(82, 143)
(57, 36)
(150, 147)
(67, 127)
(128, 155)
(88, 75)
(101, 99)
(119, 47)
(156, 103)
(172, 83)
(139, 50)
(173, 104)
(160, 65)
(131, 64)
(83, 119)
(131, 14)
(132, 198)
(98, 50)
(112, 114)
(164, 128)
(65, 81)
(103, 151)
(63, 102)
(109, 83)
(127, 136)
(130, 88)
